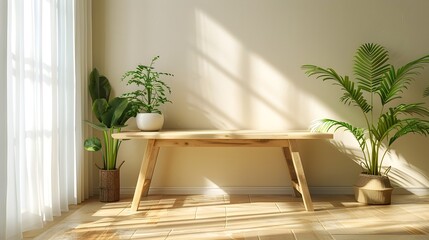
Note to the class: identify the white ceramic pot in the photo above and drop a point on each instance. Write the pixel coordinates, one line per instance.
(150, 121)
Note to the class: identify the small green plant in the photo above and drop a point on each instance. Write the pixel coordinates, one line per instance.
(153, 91)
(375, 91)
(111, 116)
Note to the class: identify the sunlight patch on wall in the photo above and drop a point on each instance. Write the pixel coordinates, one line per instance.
(211, 188)
(223, 51)
(237, 88)
(219, 58)
(270, 91)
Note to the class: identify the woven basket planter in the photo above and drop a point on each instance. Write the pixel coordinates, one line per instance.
(373, 189)
(109, 185)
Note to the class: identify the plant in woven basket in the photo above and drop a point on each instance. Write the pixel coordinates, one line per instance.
(376, 91)
(111, 116)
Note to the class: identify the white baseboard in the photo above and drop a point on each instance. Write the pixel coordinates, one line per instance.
(238, 190)
(421, 191)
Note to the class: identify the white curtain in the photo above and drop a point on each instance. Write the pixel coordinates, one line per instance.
(45, 165)
(3, 120)
(83, 63)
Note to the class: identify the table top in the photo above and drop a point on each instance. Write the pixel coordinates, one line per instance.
(221, 134)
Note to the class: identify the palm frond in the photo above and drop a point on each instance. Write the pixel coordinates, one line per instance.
(370, 65)
(374, 75)
(324, 74)
(387, 122)
(396, 81)
(411, 109)
(325, 125)
(352, 94)
(391, 87)
(411, 125)
(409, 70)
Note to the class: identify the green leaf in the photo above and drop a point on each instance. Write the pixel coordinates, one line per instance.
(411, 109)
(396, 81)
(370, 65)
(120, 106)
(151, 93)
(351, 94)
(325, 125)
(98, 126)
(99, 107)
(116, 113)
(92, 144)
(99, 86)
(387, 123)
(391, 87)
(413, 125)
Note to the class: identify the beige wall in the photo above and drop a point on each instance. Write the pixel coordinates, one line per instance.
(237, 66)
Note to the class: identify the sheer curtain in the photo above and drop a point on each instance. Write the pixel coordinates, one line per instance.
(83, 66)
(3, 120)
(45, 165)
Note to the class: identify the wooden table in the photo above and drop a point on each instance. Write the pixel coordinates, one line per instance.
(218, 138)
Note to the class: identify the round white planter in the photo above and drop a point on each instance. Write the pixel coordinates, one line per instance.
(150, 121)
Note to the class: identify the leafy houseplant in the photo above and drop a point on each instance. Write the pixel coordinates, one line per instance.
(376, 90)
(111, 116)
(152, 93)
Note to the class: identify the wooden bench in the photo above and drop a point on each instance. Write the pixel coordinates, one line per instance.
(219, 138)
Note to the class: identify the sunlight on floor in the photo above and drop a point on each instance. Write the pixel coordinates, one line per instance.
(242, 217)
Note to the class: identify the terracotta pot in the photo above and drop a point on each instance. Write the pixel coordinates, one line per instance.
(149, 121)
(373, 189)
(109, 185)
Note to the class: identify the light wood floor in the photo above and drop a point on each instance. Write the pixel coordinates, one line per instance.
(242, 217)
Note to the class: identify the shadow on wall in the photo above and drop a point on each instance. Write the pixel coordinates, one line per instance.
(408, 171)
(402, 174)
(326, 164)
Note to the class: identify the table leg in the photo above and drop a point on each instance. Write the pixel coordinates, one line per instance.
(292, 173)
(146, 172)
(299, 175)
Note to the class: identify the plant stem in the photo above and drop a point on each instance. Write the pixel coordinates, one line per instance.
(382, 158)
(366, 152)
(106, 150)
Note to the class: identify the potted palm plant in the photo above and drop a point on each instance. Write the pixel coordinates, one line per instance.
(111, 116)
(376, 91)
(150, 95)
